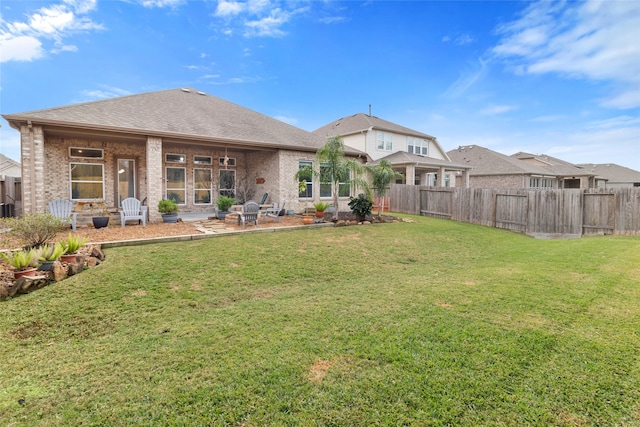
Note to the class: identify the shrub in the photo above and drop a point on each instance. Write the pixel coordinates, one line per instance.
(167, 206)
(34, 230)
(361, 206)
(225, 202)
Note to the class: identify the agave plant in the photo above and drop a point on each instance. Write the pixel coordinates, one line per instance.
(51, 252)
(72, 243)
(22, 259)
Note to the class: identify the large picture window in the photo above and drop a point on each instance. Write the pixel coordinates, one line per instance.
(87, 181)
(326, 184)
(228, 182)
(202, 186)
(305, 179)
(176, 185)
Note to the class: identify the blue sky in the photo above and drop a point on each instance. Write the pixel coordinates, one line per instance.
(556, 78)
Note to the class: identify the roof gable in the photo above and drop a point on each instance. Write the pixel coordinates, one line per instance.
(362, 122)
(612, 172)
(489, 162)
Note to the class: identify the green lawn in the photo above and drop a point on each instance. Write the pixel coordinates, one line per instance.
(426, 323)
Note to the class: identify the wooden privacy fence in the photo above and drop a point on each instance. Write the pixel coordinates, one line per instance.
(535, 212)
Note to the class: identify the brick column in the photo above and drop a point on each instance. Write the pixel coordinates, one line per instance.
(410, 171)
(441, 177)
(155, 184)
(32, 160)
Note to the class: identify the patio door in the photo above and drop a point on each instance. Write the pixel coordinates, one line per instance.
(126, 179)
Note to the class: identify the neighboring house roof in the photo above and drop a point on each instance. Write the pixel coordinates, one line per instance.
(362, 122)
(612, 172)
(488, 162)
(9, 167)
(402, 157)
(177, 114)
(553, 164)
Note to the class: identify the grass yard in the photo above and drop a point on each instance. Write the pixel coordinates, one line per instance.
(431, 323)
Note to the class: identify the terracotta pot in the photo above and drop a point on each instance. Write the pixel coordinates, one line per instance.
(27, 272)
(307, 220)
(319, 214)
(68, 258)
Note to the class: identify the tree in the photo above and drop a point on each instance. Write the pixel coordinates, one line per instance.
(382, 174)
(333, 167)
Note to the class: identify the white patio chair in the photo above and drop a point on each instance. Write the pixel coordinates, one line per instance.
(250, 212)
(132, 209)
(63, 209)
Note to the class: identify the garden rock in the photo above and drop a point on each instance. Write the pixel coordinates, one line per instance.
(57, 272)
(76, 267)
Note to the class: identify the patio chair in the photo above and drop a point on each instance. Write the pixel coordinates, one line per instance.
(249, 213)
(132, 209)
(264, 199)
(63, 209)
(273, 212)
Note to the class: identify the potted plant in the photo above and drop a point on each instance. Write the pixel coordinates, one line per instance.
(320, 208)
(224, 203)
(99, 214)
(71, 245)
(24, 261)
(49, 254)
(169, 210)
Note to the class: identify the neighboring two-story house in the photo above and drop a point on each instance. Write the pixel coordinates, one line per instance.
(416, 155)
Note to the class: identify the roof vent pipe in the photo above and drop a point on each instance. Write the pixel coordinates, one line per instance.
(369, 110)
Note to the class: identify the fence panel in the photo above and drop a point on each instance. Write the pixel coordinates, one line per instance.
(436, 202)
(561, 211)
(511, 211)
(599, 213)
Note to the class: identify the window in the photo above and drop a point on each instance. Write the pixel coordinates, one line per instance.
(305, 179)
(175, 158)
(228, 182)
(537, 182)
(87, 181)
(86, 153)
(176, 185)
(383, 141)
(201, 160)
(202, 186)
(417, 146)
(326, 184)
(231, 161)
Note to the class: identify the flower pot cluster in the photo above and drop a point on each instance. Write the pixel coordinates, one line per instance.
(27, 261)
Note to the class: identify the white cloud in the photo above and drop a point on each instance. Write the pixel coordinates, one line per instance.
(548, 119)
(104, 93)
(493, 110)
(161, 3)
(21, 48)
(594, 40)
(467, 79)
(230, 8)
(24, 41)
(288, 120)
(268, 26)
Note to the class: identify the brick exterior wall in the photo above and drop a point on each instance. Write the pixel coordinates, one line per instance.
(46, 173)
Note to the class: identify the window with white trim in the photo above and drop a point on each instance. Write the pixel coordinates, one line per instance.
(176, 184)
(87, 181)
(86, 153)
(228, 182)
(384, 141)
(305, 179)
(202, 160)
(417, 146)
(175, 158)
(202, 186)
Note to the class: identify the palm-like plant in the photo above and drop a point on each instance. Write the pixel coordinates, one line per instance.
(382, 175)
(337, 169)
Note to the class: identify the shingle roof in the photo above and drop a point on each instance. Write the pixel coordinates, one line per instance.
(489, 162)
(359, 122)
(612, 172)
(178, 113)
(552, 164)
